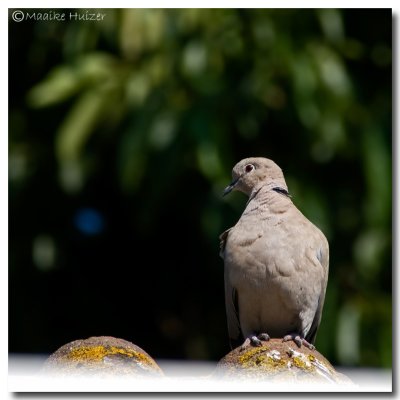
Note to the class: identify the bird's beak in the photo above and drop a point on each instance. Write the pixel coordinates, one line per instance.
(229, 188)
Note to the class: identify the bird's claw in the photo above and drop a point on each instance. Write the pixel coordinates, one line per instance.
(254, 340)
(299, 341)
(263, 336)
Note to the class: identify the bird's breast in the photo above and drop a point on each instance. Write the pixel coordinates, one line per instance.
(245, 263)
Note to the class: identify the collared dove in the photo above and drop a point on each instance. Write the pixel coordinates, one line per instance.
(276, 262)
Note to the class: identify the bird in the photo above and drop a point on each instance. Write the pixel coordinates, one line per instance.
(276, 262)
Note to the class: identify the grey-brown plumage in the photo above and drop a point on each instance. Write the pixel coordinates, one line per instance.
(276, 261)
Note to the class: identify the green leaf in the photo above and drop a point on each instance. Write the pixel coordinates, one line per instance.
(79, 124)
(60, 84)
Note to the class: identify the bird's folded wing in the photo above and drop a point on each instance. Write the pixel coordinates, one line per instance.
(223, 237)
(232, 314)
(324, 260)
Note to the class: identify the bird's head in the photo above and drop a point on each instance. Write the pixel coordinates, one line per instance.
(252, 173)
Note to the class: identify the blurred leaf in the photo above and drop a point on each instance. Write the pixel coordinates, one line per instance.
(194, 58)
(209, 160)
(138, 87)
(332, 24)
(58, 86)
(76, 128)
(348, 336)
(162, 131)
(141, 30)
(331, 70)
(67, 80)
(97, 67)
(369, 249)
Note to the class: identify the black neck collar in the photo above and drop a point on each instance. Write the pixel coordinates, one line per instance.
(281, 191)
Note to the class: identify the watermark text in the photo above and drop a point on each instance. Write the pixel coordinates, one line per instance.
(52, 15)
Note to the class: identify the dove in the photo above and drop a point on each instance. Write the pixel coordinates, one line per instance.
(275, 262)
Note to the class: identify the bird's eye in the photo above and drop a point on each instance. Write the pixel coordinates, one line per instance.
(249, 167)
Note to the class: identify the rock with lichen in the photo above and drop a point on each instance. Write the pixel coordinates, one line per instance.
(278, 362)
(101, 357)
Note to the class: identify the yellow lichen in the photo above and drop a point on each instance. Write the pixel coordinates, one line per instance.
(97, 353)
(249, 354)
(260, 359)
(273, 363)
(300, 363)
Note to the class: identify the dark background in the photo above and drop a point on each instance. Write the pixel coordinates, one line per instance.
(122, 135)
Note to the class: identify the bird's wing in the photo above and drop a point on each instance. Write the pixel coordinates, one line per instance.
(324, 260)
(222, 242)
(232, 314)
(231, 299)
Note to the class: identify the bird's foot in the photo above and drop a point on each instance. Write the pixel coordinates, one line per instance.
(253, 340)
(298, 340)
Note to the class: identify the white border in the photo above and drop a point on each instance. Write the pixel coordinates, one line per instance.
(186, 385)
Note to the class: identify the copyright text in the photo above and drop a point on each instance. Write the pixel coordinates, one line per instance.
(19, 16)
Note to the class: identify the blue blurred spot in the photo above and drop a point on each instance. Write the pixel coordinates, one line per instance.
(89, 221)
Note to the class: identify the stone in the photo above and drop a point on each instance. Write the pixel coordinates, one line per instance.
(278, 362)
(101, 357)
